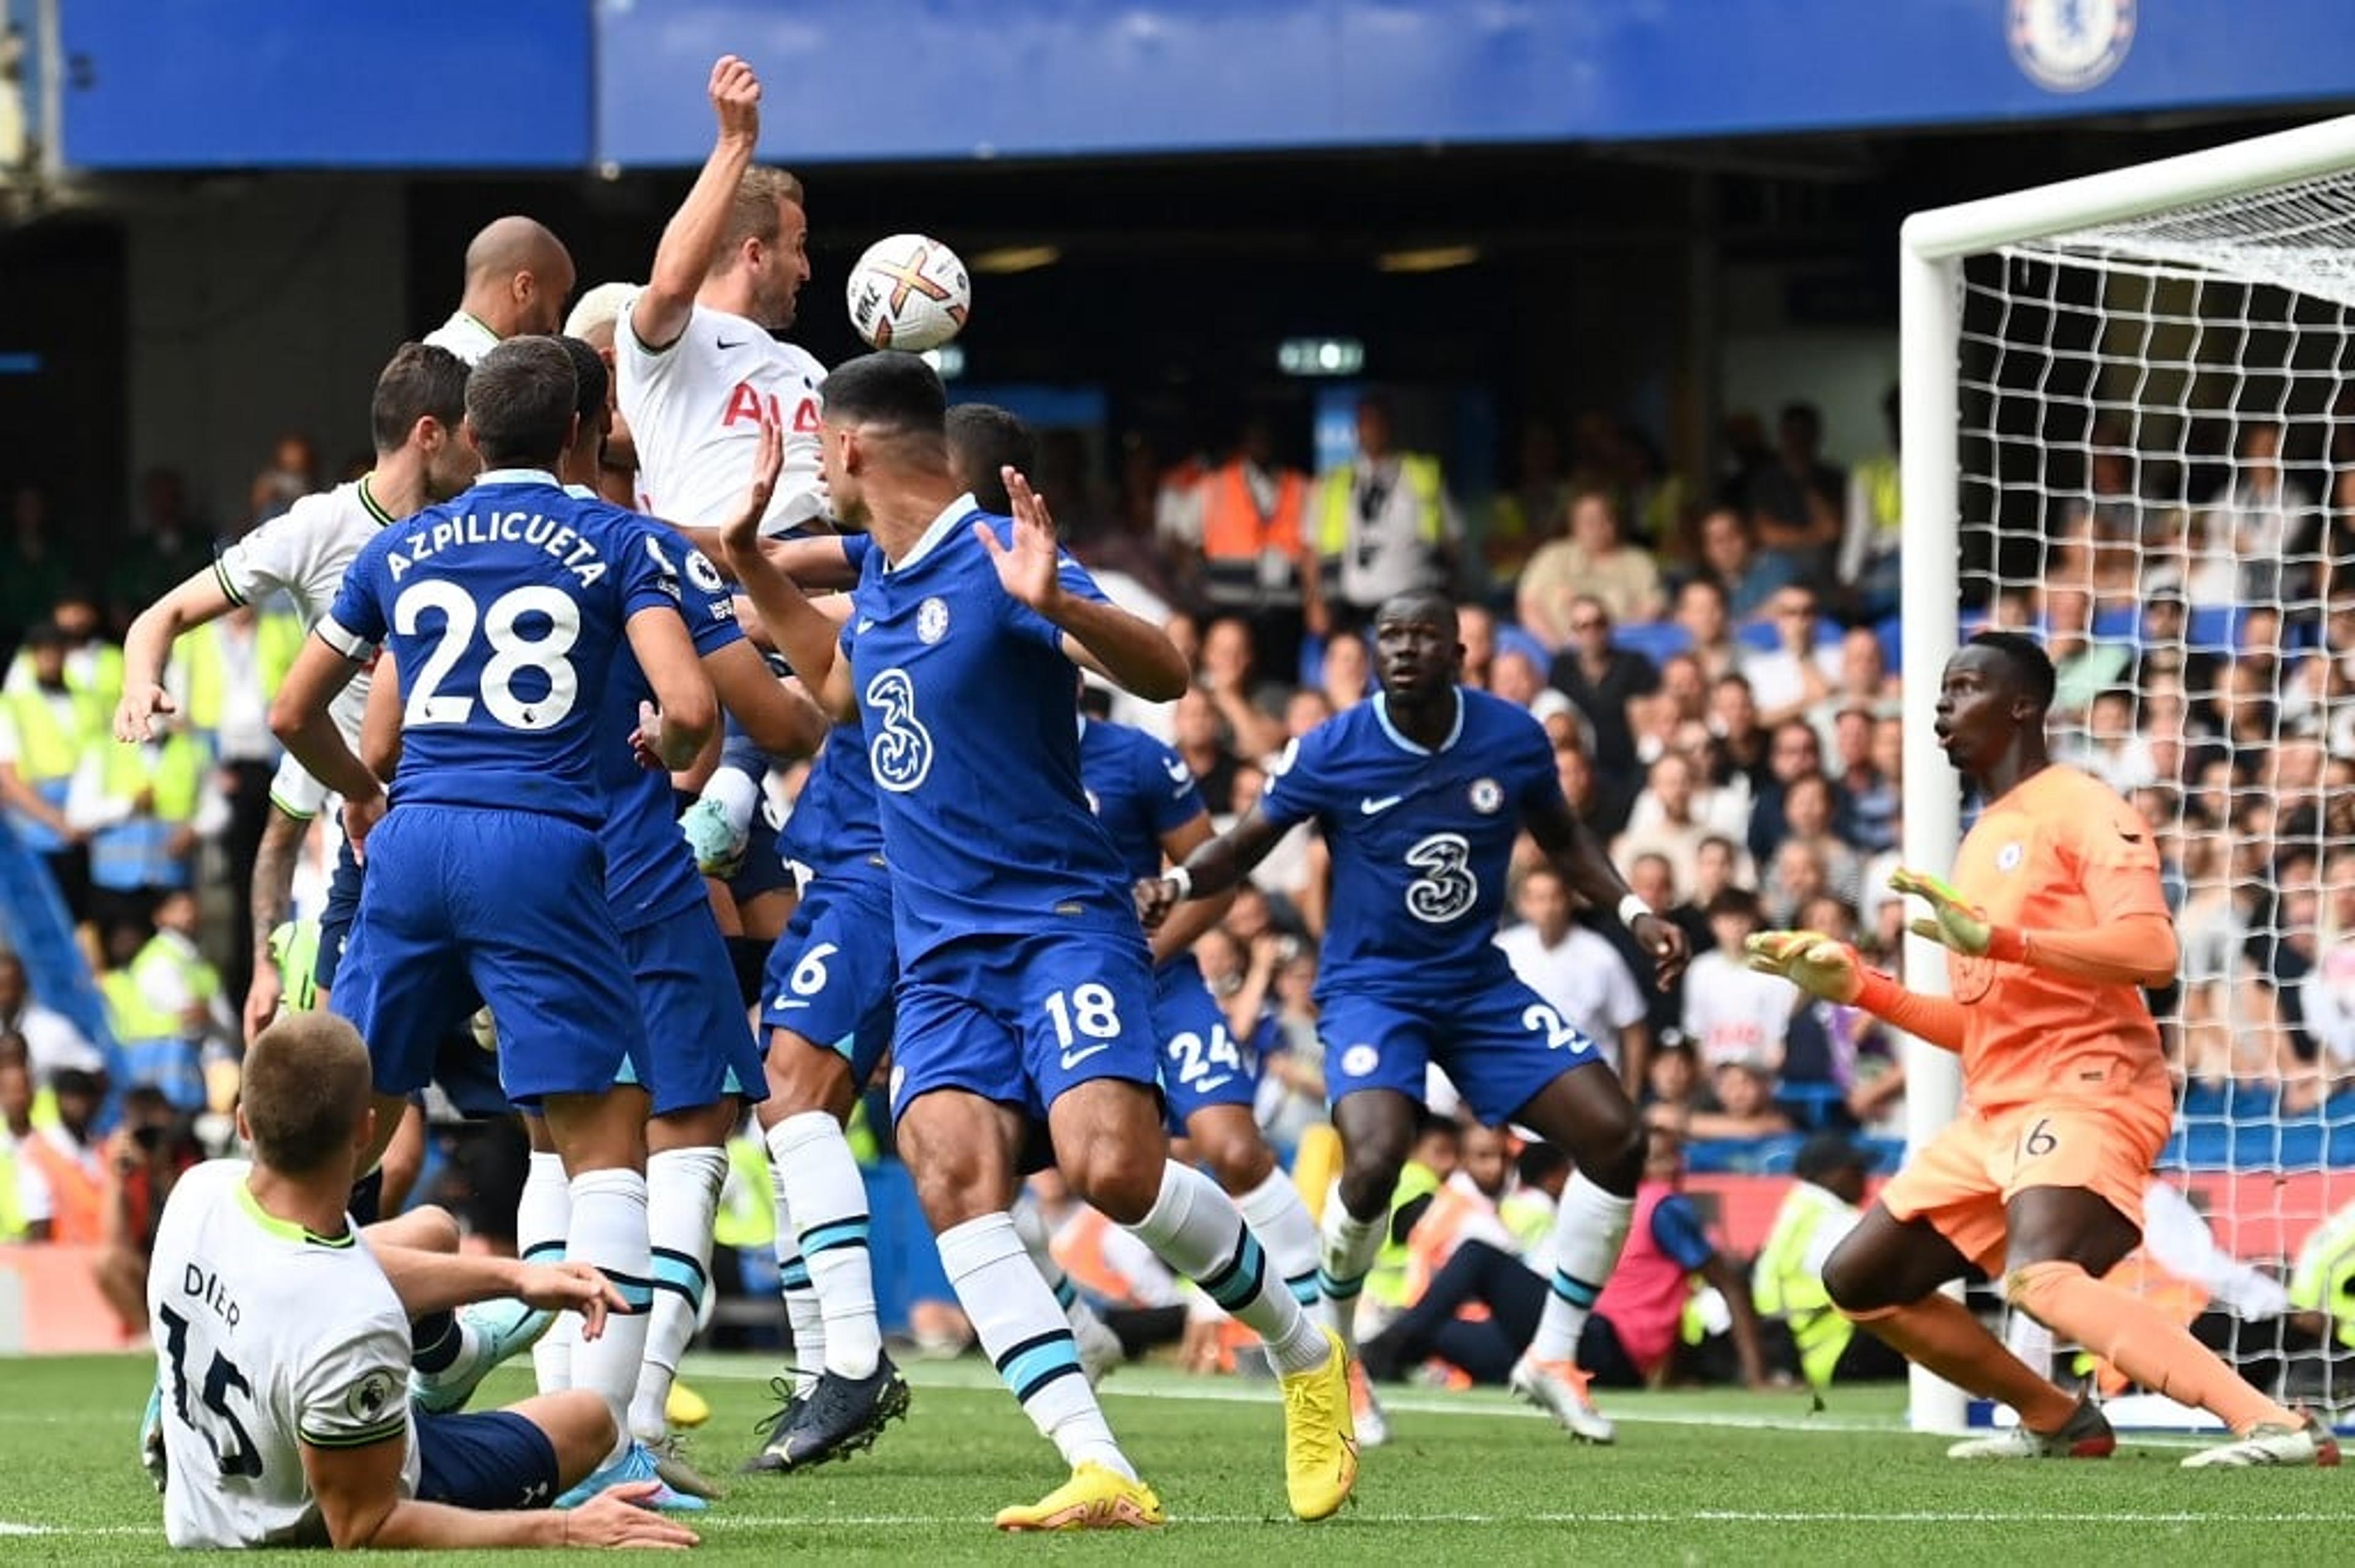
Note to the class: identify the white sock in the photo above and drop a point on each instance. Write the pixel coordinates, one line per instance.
(1196, 1229)
(1014, 1315)
(543, 1214)
(682, 1199)
(1031, 1226)
(1280, 1219)
(736, 794)
(1589, 1227)
(1349, 1248)
(804, 1316)
(809, 1155)
(609, 1230)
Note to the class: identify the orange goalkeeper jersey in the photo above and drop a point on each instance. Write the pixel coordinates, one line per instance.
(2061, 851)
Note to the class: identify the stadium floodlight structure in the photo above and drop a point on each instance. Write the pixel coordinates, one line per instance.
(2084, 365)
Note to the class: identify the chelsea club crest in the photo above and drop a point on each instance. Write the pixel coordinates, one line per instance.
(932, 620)
(2069, 46)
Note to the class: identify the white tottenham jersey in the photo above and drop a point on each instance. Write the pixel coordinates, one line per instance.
(267, 1337)
(695, 411)
(463, 336)
(303, 553)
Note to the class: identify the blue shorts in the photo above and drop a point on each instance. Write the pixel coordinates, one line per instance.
(763, 869)
(336, 919)
(831, 974)
(696, 1032)
(1201, 1064)
(1020, 1020)
(487, 1459)
(463, 1070)
(1500, 1043)
(515, 903)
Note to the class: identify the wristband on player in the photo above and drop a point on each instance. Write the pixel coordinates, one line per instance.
(1632, 909)
(1181, 879)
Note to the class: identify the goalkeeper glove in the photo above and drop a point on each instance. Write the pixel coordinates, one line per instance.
(1955, 923)
(1826, 969)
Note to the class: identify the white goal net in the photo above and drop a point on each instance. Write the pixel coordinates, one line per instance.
(2143, 386)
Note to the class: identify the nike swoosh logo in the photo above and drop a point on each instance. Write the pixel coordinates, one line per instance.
(866, 625)
(1073, 1058)
(1373, 807)
(1207, 1084)
(1178, 771)
(783, 1003)
(738, 344)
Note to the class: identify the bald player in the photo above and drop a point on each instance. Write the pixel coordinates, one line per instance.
(2054, 924)
(519, 274)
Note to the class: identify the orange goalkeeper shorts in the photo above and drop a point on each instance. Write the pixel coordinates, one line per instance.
(1961, 1182)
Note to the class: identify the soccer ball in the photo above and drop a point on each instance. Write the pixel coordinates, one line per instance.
(909, 292)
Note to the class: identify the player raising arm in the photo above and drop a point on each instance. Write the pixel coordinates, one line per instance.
(2054, 921)
(421, 458)
(507, 612)
(698, 368)
(1026, 990)
(1421, 793)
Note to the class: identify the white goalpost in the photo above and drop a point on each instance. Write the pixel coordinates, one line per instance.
(2091, 370)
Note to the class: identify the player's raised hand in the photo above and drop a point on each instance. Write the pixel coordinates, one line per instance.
(1664, 939)
(134, 714)
(626, 1515)
(1028, 567)
(742, 532)
(736, 98)
(1155, 897)
(1955, 922)
(1826, 969)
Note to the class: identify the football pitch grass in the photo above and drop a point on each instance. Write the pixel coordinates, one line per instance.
(1718, 1478)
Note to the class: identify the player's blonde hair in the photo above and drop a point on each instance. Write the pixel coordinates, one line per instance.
(594, 313)
(754, 214)
(305, 1091)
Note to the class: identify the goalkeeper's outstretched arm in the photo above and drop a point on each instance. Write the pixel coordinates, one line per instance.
(1832, 971)
(2132, 950)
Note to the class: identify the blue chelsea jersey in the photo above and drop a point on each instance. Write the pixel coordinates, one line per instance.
(972, 738)
(650, 872)
(835, 828)
(504, 611)
(1420, 839)
(1139, 788)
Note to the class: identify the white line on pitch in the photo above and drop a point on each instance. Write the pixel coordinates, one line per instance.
(757, 1524)
(1706, 1516)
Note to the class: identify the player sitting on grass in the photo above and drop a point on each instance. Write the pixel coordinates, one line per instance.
(282, 1346)
(2054, 922)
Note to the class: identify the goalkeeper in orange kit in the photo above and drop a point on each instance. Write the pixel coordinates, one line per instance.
(2054, 923)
